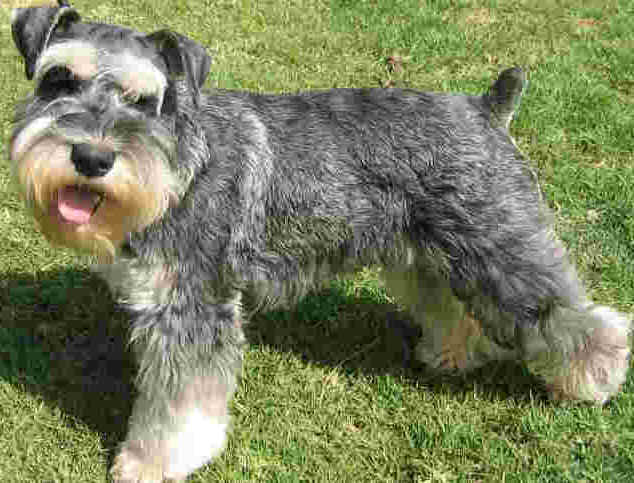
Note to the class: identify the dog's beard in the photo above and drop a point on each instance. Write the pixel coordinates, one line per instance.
(93, 214)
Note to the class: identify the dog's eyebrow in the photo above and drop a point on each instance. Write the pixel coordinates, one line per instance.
(134, 74)
(78, 56)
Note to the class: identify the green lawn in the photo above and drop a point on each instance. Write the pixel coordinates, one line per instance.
(320, 399)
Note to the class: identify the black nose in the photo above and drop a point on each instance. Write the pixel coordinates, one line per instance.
(90, 161)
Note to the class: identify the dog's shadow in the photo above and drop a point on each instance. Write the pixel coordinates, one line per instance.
(63, 338)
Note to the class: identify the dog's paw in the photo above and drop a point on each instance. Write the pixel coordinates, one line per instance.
(456, 349)
(597, 371)
(132, 466)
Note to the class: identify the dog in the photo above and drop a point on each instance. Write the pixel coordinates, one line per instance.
(196, 201)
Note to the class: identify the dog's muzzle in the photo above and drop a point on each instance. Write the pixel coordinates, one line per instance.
(76, 204)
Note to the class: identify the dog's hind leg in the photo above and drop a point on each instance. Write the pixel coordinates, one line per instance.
(580, 349)
(531, 300)
(582, 353)
(451, 339)
(526, 304)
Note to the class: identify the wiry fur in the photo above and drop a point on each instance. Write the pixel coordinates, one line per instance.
(218, 194)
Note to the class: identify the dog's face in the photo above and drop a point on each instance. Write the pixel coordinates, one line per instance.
(94, 148)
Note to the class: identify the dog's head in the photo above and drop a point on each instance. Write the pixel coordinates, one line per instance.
(94, 146)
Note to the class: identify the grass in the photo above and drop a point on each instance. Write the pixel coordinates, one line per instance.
(323, 396)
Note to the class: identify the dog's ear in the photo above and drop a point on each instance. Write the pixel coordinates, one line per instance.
(185, 59)
(32, 29)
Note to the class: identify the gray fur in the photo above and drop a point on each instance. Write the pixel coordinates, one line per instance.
(275, 194)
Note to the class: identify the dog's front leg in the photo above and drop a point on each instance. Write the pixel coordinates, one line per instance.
(189, 354)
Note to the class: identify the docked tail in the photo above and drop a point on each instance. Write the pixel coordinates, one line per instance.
(504, 96)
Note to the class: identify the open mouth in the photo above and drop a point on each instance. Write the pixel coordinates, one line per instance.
(77, 204)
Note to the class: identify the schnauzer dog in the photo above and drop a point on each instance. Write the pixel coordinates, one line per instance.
(197, 201)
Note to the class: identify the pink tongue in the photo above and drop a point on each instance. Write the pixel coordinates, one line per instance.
(75, 205)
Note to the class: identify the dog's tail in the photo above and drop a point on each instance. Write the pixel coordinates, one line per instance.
(505, 95)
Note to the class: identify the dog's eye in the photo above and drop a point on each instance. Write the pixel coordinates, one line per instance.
(59, 81)
(146, 103)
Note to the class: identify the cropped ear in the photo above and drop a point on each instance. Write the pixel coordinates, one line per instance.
(185, 59)
(32, 29)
